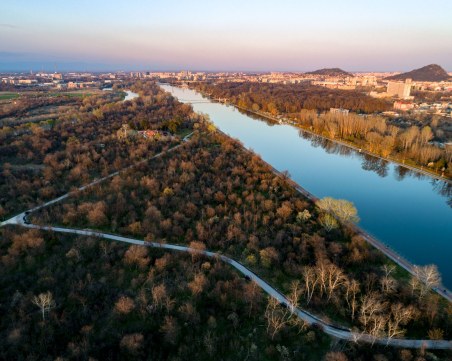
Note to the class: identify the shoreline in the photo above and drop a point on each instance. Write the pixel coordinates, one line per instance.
(373, 241)
(344, 143)
(354, 147)
(379, 245)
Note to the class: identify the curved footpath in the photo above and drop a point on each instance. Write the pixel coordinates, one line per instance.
(310, 319)
(332, 330)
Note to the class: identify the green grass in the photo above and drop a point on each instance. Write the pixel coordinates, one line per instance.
(69, 95)
(78, 95)
(183, 132)
(8, 96)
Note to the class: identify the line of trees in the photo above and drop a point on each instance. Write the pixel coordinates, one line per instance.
(308, 106)
(373, 133)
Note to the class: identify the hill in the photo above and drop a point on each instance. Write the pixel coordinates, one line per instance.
(432, 72)
(330, 72)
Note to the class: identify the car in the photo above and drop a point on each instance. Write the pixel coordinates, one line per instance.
(248, 278)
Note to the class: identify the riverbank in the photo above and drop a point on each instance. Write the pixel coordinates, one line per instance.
(382, 247)
(419, 169)
(408, 212)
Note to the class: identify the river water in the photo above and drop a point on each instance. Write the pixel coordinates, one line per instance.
(130, 95)
(411, 213)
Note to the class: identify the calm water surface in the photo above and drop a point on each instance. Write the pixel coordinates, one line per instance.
(130, 95)
(409, 212)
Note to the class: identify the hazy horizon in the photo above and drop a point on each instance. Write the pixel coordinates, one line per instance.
(231, 36)
(101, 69)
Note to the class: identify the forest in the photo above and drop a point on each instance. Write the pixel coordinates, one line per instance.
(308, 107)
(215, 195)
(292, 98)
(39, 161)
(109, 301)
(68, 297)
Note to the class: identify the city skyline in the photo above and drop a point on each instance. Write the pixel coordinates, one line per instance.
(233, 36)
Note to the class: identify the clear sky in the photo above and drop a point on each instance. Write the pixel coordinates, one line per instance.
(298, 35)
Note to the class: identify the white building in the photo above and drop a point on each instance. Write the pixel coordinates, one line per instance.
(399, 89)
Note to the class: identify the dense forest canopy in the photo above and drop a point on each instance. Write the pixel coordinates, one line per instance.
(291, 98)
(214, 192)
(38, 161)
(66, 297)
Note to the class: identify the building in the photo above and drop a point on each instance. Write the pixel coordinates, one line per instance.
(339, 111)
(403, 105)
(400, 89)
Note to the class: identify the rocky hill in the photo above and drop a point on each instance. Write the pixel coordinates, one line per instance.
(432, 72)
(330, 72)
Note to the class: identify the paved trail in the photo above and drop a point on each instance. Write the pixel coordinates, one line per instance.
(335, 331)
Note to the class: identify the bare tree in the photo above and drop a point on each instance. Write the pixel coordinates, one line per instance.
(277, 316)
(198, 284)
(436, 334)
(159, 295)
(45, 302)
(351, 290)
(311, 280)
(294, 296)
(335, 278)
(428, 276)
(124, 305)
(388, 283)
(252, 294)
(371, 306)
(400, 315)
(196, 250)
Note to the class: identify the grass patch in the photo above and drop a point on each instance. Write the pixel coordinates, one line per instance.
(183, 132)
(8, 96)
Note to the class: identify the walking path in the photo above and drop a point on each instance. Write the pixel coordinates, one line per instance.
(310, 319)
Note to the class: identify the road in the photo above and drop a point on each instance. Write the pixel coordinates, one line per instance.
(332, 330)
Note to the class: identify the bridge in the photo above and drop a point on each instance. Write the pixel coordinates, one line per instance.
(203, 101)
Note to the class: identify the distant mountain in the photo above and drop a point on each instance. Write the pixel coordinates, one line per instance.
(330, 72)
(432, 72)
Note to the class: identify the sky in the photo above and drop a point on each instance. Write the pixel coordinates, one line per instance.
(248, 35)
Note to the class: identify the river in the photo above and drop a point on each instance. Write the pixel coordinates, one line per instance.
(409, 212)
(130, 95)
